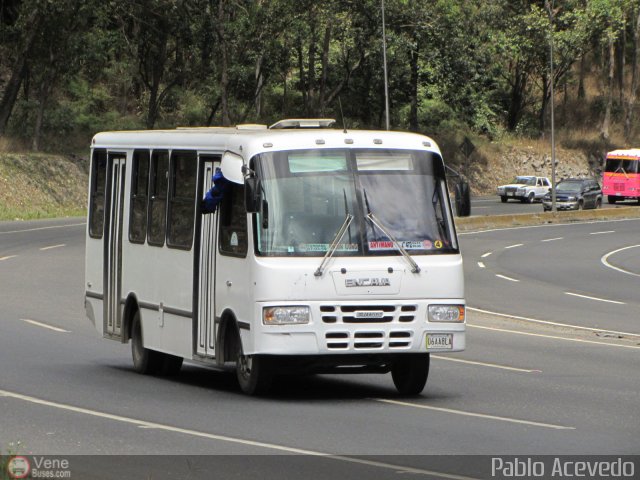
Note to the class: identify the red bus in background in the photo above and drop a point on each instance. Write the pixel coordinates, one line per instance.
(621, 177)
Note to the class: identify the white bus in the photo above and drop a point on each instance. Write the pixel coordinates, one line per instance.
(331, 251)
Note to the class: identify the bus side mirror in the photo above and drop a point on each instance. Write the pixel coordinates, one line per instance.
(463, 199)
(252, 195)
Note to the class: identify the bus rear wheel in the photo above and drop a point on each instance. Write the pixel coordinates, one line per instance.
(145, 361)
(612, 199)
(410, 373)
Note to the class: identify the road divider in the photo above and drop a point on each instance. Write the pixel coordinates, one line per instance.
(485, 222)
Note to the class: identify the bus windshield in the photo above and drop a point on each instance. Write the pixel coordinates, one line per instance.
(621, 165)
(308, 195)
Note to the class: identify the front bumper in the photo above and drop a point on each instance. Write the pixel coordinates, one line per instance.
(561, 205)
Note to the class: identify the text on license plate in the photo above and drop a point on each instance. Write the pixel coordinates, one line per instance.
(442, 341)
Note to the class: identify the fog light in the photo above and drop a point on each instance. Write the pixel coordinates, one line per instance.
(285, 315)
(446, 313)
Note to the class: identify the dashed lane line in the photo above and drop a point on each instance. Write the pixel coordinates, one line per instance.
(594, 298)
(486, 254)
(602, 233)
(44, 325)
(552, 239)
(472, 414)
(228, 439)
(7, 257)
(506, 278)
(53, 246)
(481, 265)
(514, 246)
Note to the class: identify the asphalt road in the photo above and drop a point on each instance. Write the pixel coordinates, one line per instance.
(521, 387)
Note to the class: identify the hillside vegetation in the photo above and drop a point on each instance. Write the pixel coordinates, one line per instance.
(40, 185)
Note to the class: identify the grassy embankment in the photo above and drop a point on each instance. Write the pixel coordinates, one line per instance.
(37, 185)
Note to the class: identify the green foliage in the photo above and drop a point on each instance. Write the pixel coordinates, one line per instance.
(464, 65)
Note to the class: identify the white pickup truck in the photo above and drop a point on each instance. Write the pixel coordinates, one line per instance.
(526, 188)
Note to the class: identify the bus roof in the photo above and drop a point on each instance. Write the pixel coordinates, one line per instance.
(625, 153)
(248, 140)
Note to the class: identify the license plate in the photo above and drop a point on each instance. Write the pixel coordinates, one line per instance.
(511, 194)
(439, 341)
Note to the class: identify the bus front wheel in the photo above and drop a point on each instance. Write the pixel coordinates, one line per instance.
(254, 372)
(410, 373)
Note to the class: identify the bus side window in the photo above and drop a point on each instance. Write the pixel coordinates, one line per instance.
(182, 196)
(98, 180)
(139, 188)
(158, 198)
(233, 222)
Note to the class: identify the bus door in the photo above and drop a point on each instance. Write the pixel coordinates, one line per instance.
(205, 332)
(113, 244)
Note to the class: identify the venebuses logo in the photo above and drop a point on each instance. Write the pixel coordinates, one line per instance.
(18, 467)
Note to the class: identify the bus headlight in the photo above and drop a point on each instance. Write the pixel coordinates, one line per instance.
(285, 315)
(446, 313)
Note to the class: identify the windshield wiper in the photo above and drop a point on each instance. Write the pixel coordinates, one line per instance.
(414, 266)
(334, 244)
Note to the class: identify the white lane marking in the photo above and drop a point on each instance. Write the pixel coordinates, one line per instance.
(43, 228)
(471, 414)
(481, 265)
(53, 246)
(475, 232)
(606, 263)
(602, 233)
(507, 278)
(552, 239)
(553, 337)
(486, 254)
(594, 298)
(546, 322)
(223, 438)
(484, 364)
(44, 325)
(514, 246)
(7, 257)
(475, 207)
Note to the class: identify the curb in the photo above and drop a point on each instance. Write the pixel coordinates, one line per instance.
(479, 223)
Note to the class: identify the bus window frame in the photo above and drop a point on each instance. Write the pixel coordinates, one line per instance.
(134, 194)
(171, 190)
(93, 192)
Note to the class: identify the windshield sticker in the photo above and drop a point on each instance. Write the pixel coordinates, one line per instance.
(323, 247)
(406, 244)
(438, 244)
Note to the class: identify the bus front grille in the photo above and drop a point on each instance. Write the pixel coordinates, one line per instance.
(368, 314)
(368, 340)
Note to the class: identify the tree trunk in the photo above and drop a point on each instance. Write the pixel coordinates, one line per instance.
(633, 90)
(581, 91)
(413, 110)
(224, 64)
(606, 122)
(19, 71)
(516, 99)
(325, 68)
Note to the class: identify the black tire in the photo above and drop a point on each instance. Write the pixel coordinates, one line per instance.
(598, 203)
(503, 199)
(612, 199)
(531, 197)
(465, 194)
(580, 205)
(254, 372)
(145, 361)
(410, 373)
